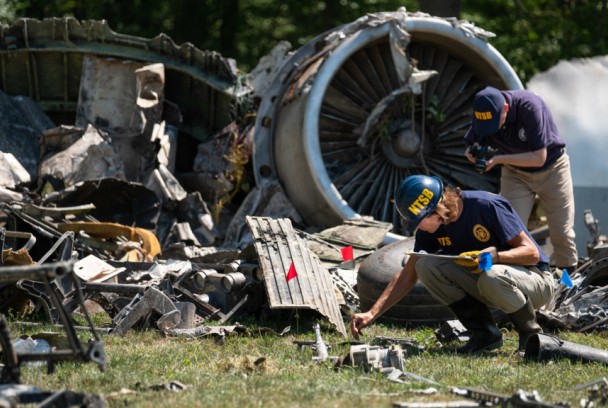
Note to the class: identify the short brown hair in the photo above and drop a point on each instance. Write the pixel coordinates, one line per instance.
(447, 208)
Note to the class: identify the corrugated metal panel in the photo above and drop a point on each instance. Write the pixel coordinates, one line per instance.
(278, 245)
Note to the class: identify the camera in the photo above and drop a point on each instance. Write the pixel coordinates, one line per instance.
(482, 154)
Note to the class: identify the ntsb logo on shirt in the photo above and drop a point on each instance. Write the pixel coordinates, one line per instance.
(481, 233)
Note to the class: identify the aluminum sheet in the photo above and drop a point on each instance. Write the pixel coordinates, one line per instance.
(278, 245)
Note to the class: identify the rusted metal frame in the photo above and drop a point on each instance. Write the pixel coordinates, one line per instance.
(45, 273)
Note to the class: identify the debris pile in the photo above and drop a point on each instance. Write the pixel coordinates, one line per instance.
(150, 181)
(126, 188)
(128, 192)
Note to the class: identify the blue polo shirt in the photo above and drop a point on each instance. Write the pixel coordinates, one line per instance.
(529, 126)
(486, 220)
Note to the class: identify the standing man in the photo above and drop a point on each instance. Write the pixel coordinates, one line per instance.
(520, 126)
(468, 223)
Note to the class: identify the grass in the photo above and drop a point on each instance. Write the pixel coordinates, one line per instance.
(254, 369)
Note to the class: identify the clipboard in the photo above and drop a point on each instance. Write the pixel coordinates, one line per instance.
(441, 256)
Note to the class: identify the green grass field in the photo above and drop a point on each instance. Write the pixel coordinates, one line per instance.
(254, 369)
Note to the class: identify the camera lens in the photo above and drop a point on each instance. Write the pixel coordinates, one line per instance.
(480, 165)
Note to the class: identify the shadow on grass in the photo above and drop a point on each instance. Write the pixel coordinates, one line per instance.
(297, 321)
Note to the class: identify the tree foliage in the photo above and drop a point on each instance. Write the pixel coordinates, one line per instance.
(532, 35)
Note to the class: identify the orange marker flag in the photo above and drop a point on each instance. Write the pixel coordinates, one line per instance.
(347, 253)
(292, 272)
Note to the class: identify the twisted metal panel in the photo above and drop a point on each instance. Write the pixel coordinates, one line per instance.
(278, 246)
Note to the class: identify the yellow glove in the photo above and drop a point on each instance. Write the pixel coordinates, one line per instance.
(470, 263)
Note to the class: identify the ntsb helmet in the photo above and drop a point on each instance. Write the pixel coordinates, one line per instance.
(417, 197)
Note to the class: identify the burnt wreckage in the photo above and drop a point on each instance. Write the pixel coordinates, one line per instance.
(182, 193)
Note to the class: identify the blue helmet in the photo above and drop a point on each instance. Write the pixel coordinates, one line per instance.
(417, 197)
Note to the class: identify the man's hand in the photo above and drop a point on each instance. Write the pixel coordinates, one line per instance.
(491, 163)
(358, 322)
(468, 155)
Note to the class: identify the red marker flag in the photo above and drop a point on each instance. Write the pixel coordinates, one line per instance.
(292, 272)
(347, 253)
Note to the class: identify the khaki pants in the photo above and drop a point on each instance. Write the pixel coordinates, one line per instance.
(555, 192)
(504, 287)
